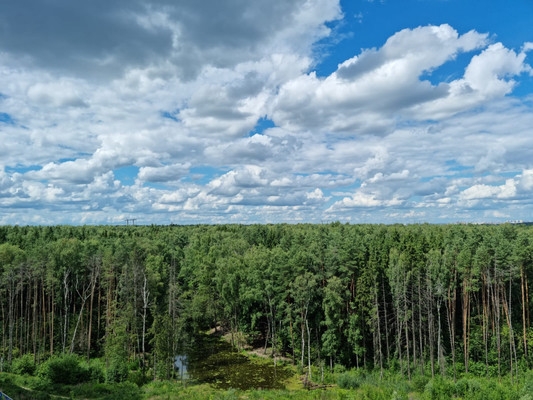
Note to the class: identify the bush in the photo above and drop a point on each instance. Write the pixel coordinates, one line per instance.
(23, 365)
(339, 369)
(65, 369)
(350, 380)
(420, 382)
(372, 392)
(136, 377)
(468, 388)
(439, 389)
(12, 385)
(116, 372)
(90, 390)
(125, 390)
(527, 389)
(95, 370)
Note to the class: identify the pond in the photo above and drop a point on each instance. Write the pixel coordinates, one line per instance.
(212, 360)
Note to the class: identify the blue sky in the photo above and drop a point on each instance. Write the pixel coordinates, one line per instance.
(267, 111)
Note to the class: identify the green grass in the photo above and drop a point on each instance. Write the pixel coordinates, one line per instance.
(21, 387)
(351, 384)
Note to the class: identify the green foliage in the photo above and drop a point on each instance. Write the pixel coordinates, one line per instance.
(350, 380)
(116, 351)
(16, 387)
(419, 382)
(439, 389)
(373, 392)
(101, 391)
(390, 298)
(468, 388)
(527, 388)
(23, 365)
(96, 371)
(65, 369)
(162, 342)
(137, 377)
(117, 371)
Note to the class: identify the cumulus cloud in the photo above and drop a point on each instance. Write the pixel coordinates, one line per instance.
(519, 187)
(78, 171)
(368, 91)
(104, 38)
(164, 174)
(176, 93)
(361, 199)
(485, 191)
(56, 94)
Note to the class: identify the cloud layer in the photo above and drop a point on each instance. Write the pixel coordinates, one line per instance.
(199, 113)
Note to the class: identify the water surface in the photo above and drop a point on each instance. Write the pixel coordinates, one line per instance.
(212, 360)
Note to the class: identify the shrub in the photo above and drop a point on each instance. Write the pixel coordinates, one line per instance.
(420, 382)
(116, 372)
(12, 385)
(64, 369)
(95, 370)
(373, 392)
(349, 380)
(527, 389)
(339, 369)
(439, 389)
(125, 390)
(90, 390)
(136, 377)
(23, 365)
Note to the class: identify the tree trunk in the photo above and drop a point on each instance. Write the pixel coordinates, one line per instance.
(407, 349)
(466, 322)
(94, 279)
(386, 321)
(420, 336)
(485, 295)
(450, 308)
(525, 306)
(378, 339)
(308, 350)
(146, 300)
(431, 337)
(11, 318)
(35, 325)
(65, 309)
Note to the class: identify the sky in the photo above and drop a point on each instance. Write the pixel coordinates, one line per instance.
(265, 111)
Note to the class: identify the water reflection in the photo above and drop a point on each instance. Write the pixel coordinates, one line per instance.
(211, 360)
(180, 366)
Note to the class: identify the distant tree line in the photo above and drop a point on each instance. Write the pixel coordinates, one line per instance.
(434, 299)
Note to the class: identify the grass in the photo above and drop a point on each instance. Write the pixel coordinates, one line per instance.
(359, 385)
(340, 384)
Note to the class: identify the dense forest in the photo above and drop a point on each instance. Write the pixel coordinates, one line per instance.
(434, 299)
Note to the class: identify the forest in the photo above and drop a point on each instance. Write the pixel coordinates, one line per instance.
(432, 300)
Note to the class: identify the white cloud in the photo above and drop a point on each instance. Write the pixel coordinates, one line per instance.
(56, 94)
(164, 174)
(526, 180)
(518, 188)
(487, 71)
(315, 195)
(368, 92)
(79, 171)
(177, 95)
(362, 199)
(248, 176)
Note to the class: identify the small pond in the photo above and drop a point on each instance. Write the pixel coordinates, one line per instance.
(211, 360)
